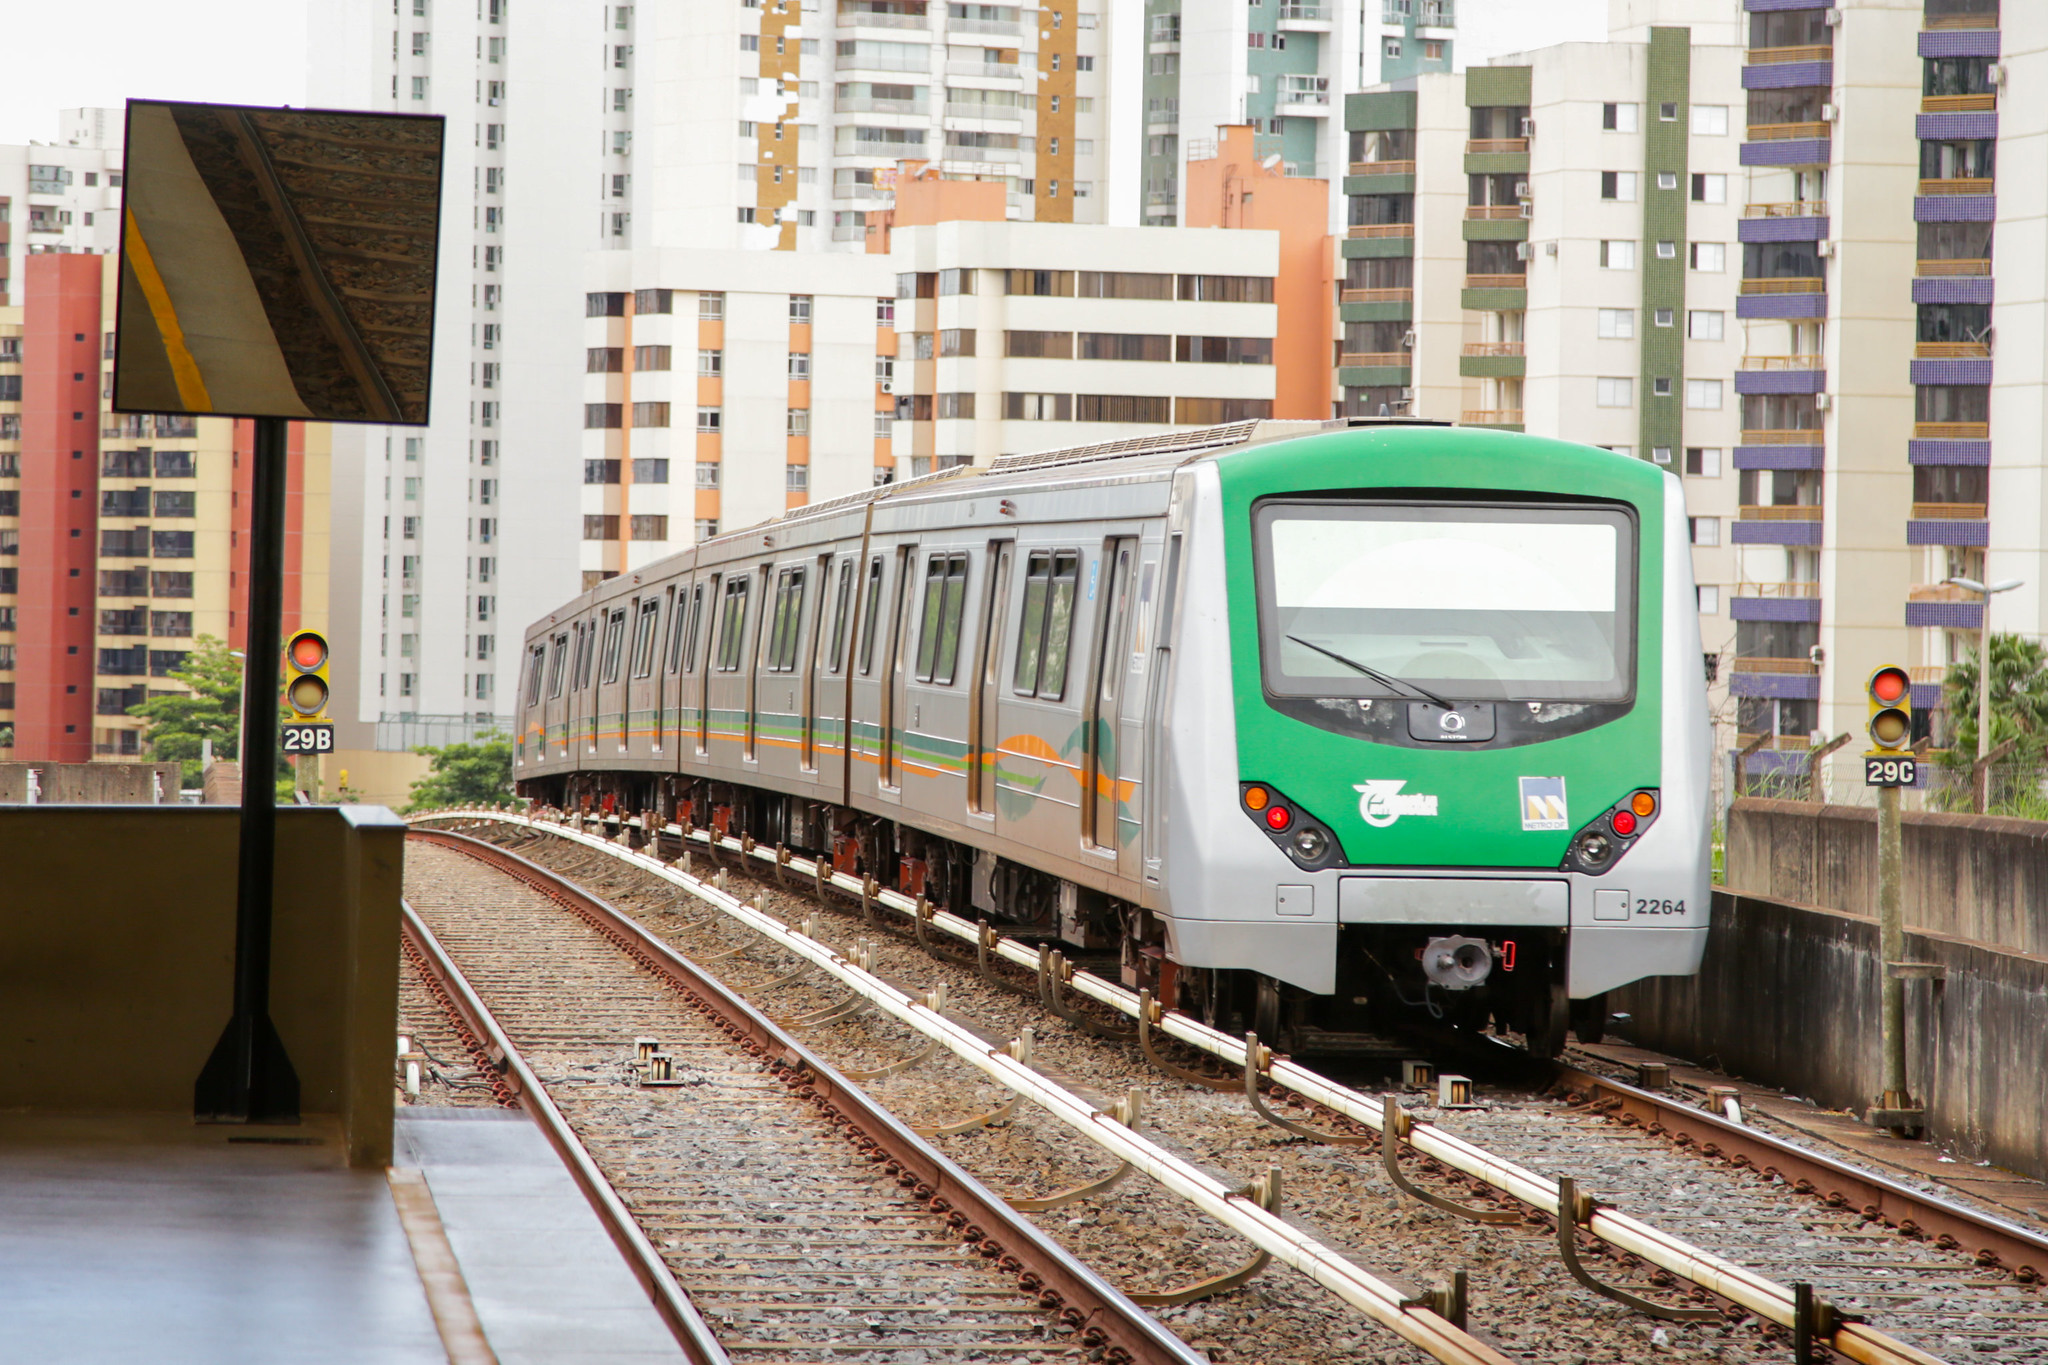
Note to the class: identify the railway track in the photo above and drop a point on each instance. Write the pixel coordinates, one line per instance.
(804, 1223)
(1751, 1238)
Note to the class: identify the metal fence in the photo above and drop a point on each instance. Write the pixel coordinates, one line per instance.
(2019, 790)
(404, 731)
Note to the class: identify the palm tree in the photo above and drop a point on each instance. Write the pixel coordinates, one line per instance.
(2019, 704)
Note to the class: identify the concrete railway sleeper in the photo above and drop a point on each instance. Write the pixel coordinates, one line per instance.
(1014, 1279)
(1995, 1243)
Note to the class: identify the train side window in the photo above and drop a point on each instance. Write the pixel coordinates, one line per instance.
(844, 600)
(586, 635)
(787, 626)
(1047, 625)
(868, 613)
(534, 669)
(732, 626)
(938, 633)
(677, 621)
(643, 637)
(614, 644)
(1031, 625)
(557, 664)
(690, 638)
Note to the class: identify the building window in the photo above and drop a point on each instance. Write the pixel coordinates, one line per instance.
(711, 364)
(1618, 185)
(1391, 49)
(600, 417)
(419, 87)
(1668, 111)
(600, 527)
(1618, 118)
(1614, 393)
(1617, 255)
(707, 527)
(1432, 49)
(596, 471)
(1710, 599)
(1703, 325)
(1667, 251)
(799, 364)
(644, 471)
(1710, 189)
(799, 307)
(1705, 530)
(953, 406)
(707, 473)
(797, 478)
(1710, 120)
(799, 422)
(1703, 393)
(1661, 388)
(709, 420)
(1664, 317)
(1667, 180)
(650, 414)
(1703, 462)
(1617, 322)
(651, 357)
(1709, 258)
(885, 312)
(650, 527)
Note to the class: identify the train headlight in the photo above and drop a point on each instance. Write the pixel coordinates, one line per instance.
(1594, 849)
(1311, 843)
(1601, 844)
(1306, 841)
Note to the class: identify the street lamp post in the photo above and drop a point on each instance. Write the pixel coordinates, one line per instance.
(1981, 784)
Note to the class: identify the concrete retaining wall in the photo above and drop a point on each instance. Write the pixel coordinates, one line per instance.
(1788, 996)
(74, 784)
(1976, 877)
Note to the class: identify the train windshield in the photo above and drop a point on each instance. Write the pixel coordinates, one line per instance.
(1471, 602)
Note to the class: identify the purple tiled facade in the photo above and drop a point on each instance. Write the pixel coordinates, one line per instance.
(1781, 305)
(1927, 696)
(1952, 289)
(1781, 457)
(1779, 533)
(1774, 609)
(1960, 42)
(1772, 6)
(1977, 371)
(1783, 686)
(1946, 615)
(1970, 534)
(1809, 229)
(1956, 127)
(1791, 151)
(1946, 452)
(1955, 208)
(1787, 75)
(1781, 381)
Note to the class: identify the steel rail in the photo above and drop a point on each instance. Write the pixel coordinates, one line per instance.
(1101, 1313)
(1995, 1242)
(1238, 1208)
(690, 1331)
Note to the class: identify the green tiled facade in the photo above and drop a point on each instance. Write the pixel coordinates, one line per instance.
(1669, 81)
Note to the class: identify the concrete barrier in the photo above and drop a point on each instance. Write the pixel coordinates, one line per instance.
(68, 784)
(117, 934)
(1978, 877)
(1788, 996)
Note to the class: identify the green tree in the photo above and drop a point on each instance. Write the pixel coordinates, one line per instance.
(473, 774)
(180, 722)
(2019, 701)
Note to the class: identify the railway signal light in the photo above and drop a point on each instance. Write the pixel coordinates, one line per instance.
(1890, 691)
(305, 688)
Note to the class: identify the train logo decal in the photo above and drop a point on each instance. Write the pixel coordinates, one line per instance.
(1382, 803)
(1451, 721)
(1543, 804)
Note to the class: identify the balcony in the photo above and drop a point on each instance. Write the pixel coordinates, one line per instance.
(1382, 168)
(1305, 91)
(1936, 269)
(1782, 362)
(1802, 208)
(1976, 184)
(1369, 359)
(1496, 281)
(1779, 56)
(1951, 350)
(1939, 592)
(1497, 146)
(1380, 230)
(1785, 667)
(1959, 104)
(1491, 417)
(1377, 296)
(1477, 349)
(865, 104)
(1793, 591)
(1312, 17)
(982, 26)
(1780, 744)
(1935, 23)
(1781, 512)
(1951, 431)
(1950, 511)
(1000, 71)
(1786, 132)
(1008, 113)
(870, 19)
(1491, 213)
(1792, 284)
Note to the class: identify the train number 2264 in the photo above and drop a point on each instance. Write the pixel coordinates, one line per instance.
(1648, 906)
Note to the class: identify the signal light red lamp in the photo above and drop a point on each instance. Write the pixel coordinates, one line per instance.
(1889, 684)
(1624, 822)
(1279, 817)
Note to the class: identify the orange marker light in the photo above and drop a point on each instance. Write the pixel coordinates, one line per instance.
(1643, 804)
(1255, 798)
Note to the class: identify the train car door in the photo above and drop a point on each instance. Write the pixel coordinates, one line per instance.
(755, 646)
(1153, 835)
(554, 717)
(836, 608)
(611, 676)
(642, 690)
(863, 688)
(808, 743)
(665, 680)
(1099, 800)
(582, 703)
(703, 612)
(983, 730)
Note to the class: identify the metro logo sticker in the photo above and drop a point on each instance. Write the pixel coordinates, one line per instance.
(1543, 804)
(1382, 803)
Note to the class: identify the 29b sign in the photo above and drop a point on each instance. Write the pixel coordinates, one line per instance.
(1888, 770)
(308, 739)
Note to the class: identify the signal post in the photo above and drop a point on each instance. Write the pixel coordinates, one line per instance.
(1888, 766)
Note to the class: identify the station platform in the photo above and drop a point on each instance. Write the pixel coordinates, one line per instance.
(144, 1237)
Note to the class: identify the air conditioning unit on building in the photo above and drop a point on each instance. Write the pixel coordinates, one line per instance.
(1521, 189)
(1408, 340)
(1828, 113)
(1528, 209)
(1822, 402)
(1833, 17)
(1550, 248)
(1407, 393)
(1528, 127)
(1522, 251)
(1824, 248)
(886, 385)
(1995, 73)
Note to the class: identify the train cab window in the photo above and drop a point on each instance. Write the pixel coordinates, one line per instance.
(945, 603)
(1047, 625)
(614, 644)
(732, 626)
(534, 667)
(788, 623)
(842, 602)
(868, 612)
(643, 637)
(557, 664)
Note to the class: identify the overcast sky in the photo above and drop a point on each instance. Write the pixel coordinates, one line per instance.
(101, 52)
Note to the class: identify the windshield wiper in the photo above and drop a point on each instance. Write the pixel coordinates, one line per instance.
(1384, 679)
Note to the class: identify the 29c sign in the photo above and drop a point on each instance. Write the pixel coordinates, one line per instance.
(308, 739)
(1887, 771)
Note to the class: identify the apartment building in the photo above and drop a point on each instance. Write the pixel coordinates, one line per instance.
(1025, 336)
(788, 362)
(1550, 244)
(1279, 67)
(63, 196)
(122, 538)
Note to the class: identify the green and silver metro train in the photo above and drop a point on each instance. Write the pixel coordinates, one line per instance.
(1314, 726)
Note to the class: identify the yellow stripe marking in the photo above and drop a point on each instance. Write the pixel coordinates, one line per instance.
(184, 369)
